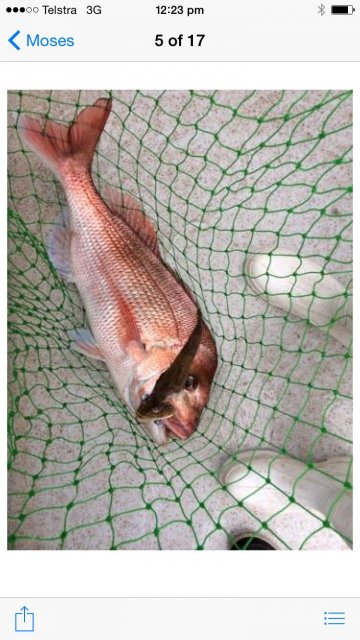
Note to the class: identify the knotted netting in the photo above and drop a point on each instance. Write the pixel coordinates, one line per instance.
(224, 175)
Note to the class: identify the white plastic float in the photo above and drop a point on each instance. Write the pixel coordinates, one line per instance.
(300, 286)
(277, 483)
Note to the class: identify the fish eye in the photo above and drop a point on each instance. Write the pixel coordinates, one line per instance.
(190, 383)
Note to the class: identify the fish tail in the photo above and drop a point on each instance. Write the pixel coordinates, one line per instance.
(56, 143)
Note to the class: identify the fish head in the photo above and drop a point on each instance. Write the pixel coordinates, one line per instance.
(188, 403)
(178, 410)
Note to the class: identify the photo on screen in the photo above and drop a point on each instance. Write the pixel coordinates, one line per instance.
(180, 320)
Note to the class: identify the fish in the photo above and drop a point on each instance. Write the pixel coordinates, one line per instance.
(142, 320)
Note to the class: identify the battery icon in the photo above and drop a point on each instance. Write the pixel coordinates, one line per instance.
(342, 9)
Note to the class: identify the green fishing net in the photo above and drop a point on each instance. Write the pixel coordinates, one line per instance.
(225, 175)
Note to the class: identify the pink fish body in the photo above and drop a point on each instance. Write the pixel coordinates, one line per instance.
(140, 315)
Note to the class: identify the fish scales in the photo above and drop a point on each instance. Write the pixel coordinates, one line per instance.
(117, 256)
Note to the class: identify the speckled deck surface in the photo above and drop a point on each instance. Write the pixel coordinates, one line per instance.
(224, 175)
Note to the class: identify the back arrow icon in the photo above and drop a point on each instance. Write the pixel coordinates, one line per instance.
(12, 40)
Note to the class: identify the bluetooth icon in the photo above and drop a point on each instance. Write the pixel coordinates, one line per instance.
(321, 9)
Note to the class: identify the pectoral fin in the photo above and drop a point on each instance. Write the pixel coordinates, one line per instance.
(83, 341)
(58, 246)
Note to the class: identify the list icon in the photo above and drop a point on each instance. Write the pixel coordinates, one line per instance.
(334, 617)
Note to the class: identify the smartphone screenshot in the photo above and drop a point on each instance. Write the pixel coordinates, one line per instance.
(177, 280)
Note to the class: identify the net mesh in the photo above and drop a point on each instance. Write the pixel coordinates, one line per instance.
(224, 175)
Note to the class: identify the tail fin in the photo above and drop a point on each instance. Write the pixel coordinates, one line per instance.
(55, 143)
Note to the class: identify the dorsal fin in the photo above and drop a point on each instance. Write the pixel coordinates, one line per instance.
(130, 211)
(121, 204)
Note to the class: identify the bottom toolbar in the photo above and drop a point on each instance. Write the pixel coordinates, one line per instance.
(161, 618)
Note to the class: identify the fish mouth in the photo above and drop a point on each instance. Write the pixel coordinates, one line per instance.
(176, 428)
